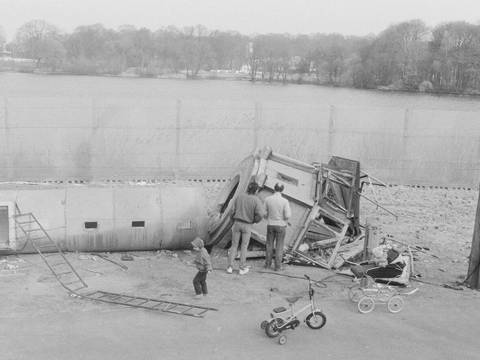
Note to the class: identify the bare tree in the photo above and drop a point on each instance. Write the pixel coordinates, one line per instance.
(228, 50)
(168, 48)
(137, 48)
(398, 53)
(196, 51)
(455, 50)
(92, 49)
(40, 41)
(3, 38)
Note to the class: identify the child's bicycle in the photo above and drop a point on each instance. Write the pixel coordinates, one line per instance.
(371, 293)
(283, 318)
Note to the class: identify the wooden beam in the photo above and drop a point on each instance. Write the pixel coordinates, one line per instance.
(473, 275)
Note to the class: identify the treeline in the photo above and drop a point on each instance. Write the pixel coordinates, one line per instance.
(405, 56)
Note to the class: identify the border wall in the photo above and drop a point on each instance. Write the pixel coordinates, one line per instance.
(61, 139)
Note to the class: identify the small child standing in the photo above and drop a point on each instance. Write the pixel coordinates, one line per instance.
(204, 265)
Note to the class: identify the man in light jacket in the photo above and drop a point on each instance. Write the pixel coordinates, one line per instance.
(278, 213)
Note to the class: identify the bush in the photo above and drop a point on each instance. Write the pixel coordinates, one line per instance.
(81, 66)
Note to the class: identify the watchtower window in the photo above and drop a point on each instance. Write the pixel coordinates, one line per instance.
(4, 226)
(287, 179)
(91, 225)
(138, 224)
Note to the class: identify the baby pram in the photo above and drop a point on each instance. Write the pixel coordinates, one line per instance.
(371, 289)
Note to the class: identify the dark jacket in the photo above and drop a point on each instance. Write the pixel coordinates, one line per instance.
(248, 208)
(202, 259)
(393, 269)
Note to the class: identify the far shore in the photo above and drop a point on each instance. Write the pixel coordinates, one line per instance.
(243, 76)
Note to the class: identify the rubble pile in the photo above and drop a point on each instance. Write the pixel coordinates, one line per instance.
(10, 265)
(325, 228)
(332, 234)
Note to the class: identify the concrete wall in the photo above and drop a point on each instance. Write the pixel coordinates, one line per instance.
(173, 215)
(98, 139)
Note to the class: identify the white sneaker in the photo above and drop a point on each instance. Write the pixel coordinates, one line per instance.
(229, 270)
(243, 271)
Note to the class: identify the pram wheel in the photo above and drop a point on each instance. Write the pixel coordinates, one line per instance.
(272, 327)
(263, 324)
(395, 304)
(366, 304)
(316, 320)
(355, 293)
(282, 339)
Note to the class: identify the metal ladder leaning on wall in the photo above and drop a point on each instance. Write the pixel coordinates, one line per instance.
(66, 275)
(51, 254)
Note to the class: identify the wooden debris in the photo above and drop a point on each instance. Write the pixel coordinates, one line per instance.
(348, 252)
(104, 257)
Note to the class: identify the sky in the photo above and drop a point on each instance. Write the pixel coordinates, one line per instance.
(347, 17)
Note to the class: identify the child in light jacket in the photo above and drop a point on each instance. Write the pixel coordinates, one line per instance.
(204, 266)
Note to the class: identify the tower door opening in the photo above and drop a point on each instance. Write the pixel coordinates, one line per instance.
(4, 227)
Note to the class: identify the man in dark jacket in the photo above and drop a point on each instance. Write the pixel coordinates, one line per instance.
(247, 210)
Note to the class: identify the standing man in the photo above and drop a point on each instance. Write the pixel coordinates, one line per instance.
(247, 210)
(277, 215)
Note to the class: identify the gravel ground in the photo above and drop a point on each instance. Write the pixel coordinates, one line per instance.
(41, 321)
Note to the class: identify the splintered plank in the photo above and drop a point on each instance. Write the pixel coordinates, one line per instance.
(347, 252)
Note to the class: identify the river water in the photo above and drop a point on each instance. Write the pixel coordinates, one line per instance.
(86, 127)
(32, 85)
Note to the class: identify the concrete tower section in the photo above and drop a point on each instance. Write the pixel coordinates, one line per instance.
(101, 217)
(266, 168)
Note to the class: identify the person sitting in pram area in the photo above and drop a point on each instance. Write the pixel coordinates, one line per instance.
(381, 268)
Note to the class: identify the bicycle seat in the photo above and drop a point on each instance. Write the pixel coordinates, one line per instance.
(293, 299)
(279, 309)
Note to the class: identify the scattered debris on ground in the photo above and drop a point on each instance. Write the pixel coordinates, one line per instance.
(106, 258)
(126, 257)
(11, 265)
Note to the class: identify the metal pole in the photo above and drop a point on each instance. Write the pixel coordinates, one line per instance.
(178, 129)
(331, 130)
(473, 275)
(9, 154)
(366, 242)
(257, 123)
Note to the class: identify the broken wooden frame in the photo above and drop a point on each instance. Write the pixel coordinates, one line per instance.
(334, 216)
(333, 234)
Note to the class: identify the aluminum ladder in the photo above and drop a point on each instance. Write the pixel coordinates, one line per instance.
(66, 275)
(51, 254)
(149, 304)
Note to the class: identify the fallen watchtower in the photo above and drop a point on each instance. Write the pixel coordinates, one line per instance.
(324, 199)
